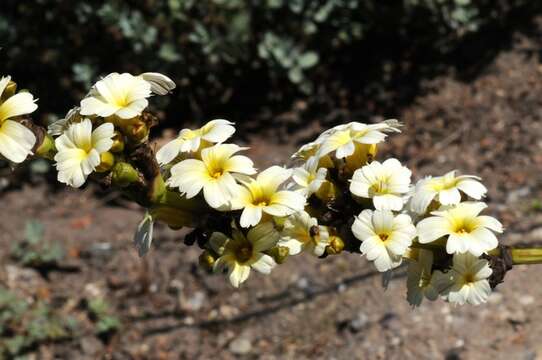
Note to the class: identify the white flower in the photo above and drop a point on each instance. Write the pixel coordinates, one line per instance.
(242, 253)
(342, 140)
(143, 235)
(309, 177)
(58, 127)
(385, 237)
(214, 132)
(420, 281)
(16, 140)
(160, 83)
(262, 195)
(312, 148)
(464, 230)
(123, 95)
(214, 173)
(302, 232)
(386, 183)
(79, 150)
(445, 189)
(467, 281)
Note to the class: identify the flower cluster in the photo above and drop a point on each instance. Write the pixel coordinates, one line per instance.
(336, 197)
(92, 137)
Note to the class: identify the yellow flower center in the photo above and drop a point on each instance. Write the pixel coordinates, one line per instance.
(469, 278)
(384, 237)
(439, 185)
(464, 226)
(217, 173)
(380, 187)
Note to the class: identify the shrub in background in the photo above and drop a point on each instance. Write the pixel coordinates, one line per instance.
(226, 53)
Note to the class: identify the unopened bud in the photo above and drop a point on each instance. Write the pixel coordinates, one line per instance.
(47, 148)
(107, 160)
(327, 191)
(158, 189)
(336, 245)
(124, 174)
(137, 130)
(207, 260)
(118, 143)
(279, 253)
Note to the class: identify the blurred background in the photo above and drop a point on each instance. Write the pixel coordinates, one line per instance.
(463, 75)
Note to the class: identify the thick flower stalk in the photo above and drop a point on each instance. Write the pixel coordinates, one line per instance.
(337, 196)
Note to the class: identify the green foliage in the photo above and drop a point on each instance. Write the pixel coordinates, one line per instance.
(25, 324)
(217, 50)
(106, 321)
(33, 251)
(536, 205)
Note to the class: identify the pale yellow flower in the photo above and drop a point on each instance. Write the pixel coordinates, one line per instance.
(123, 95)
(190, 141)
(239, 254)
(385, 183)
(385, 237)
(462, 226)
(214, 174)
(79, 150)
(342, 140)
(262, 195)
(16, 140)
(301, 232)
(446, 190)
(309, 177)
(467, 282)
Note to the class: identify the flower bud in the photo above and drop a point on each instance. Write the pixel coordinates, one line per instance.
(207, 260)
(118, 143)
(336, 245)
(124, 174)
(279, 253)
(137, 130)
(47, 148)
(327, 191)
(107, 160)
(158, 189)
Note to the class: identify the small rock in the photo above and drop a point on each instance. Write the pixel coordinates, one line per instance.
(303, 283)
(240, 346)
(101, 250)
(516, 316)
(93, 290)
(526, 300)
(228, 311)
(495, 298)
(175, 286)
(535, 234)
(359, 322)
(195, 302)
(90, 345)
(515, 195)
(24, 281)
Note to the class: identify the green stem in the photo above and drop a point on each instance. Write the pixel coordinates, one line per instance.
(520, 256)
(526, 256)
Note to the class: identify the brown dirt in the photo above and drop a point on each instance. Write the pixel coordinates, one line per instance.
(311, 308)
